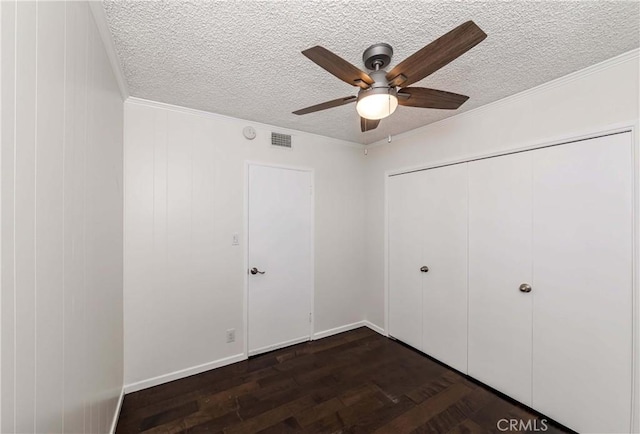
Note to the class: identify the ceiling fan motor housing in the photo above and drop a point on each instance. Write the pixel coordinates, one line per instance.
(379, 78)
(377, 56)
(380, 85)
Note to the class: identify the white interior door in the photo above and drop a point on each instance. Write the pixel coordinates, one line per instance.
(500, 244)
(405, 214)
(444, 290)
(583, 244)
(280, 243)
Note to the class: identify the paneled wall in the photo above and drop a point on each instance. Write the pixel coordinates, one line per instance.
(184, 200)
(61, 157)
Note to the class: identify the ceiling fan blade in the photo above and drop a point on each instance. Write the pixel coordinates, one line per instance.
(368, 124)
(430, 98)
(437, 54)
(338, 67)
(326, 105)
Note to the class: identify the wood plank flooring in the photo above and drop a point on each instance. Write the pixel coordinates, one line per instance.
(354, 382)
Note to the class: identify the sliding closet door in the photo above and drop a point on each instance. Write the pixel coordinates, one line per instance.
(405, 210)
(500, 209)
(583, 283)
(444, 234)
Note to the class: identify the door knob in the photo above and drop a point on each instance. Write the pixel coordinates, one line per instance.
(424, 269)
(525, 287)
(254, 270)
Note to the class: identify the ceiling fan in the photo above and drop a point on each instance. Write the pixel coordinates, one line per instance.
(380, 91)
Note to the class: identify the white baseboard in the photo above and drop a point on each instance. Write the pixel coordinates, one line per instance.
(374, 327)
(348, 327)
(187, 372)
(335, 331)
(161, 379)
(278, 346)
(116, 415)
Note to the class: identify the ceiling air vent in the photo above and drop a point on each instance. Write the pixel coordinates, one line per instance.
(281, 140)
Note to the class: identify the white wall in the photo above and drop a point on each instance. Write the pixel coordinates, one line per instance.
(184, 281)
(62, 120)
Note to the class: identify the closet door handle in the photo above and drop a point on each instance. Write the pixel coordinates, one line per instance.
(254, 270)
(424, 269)
(525, 287)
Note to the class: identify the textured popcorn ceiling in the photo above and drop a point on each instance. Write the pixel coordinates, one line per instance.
(242, 58)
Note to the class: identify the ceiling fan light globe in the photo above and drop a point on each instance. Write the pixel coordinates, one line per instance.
(376, 106)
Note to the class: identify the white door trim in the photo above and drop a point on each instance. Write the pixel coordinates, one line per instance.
(245, 259)
(633, 126)
(635, 374)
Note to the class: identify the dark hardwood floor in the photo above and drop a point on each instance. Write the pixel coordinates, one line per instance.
(354, 382)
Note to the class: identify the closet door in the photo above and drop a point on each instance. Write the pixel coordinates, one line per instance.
(582, 330)
(405, 207)
(444, 235)
(500, 209)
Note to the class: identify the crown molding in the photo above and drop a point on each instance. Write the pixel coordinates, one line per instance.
(217, 116)
(629, 56)
(97, 10)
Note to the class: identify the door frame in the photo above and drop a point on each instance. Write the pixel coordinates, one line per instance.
(245, 245)
(632, 126)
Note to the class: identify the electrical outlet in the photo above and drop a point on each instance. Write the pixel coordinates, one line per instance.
(231, 335)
